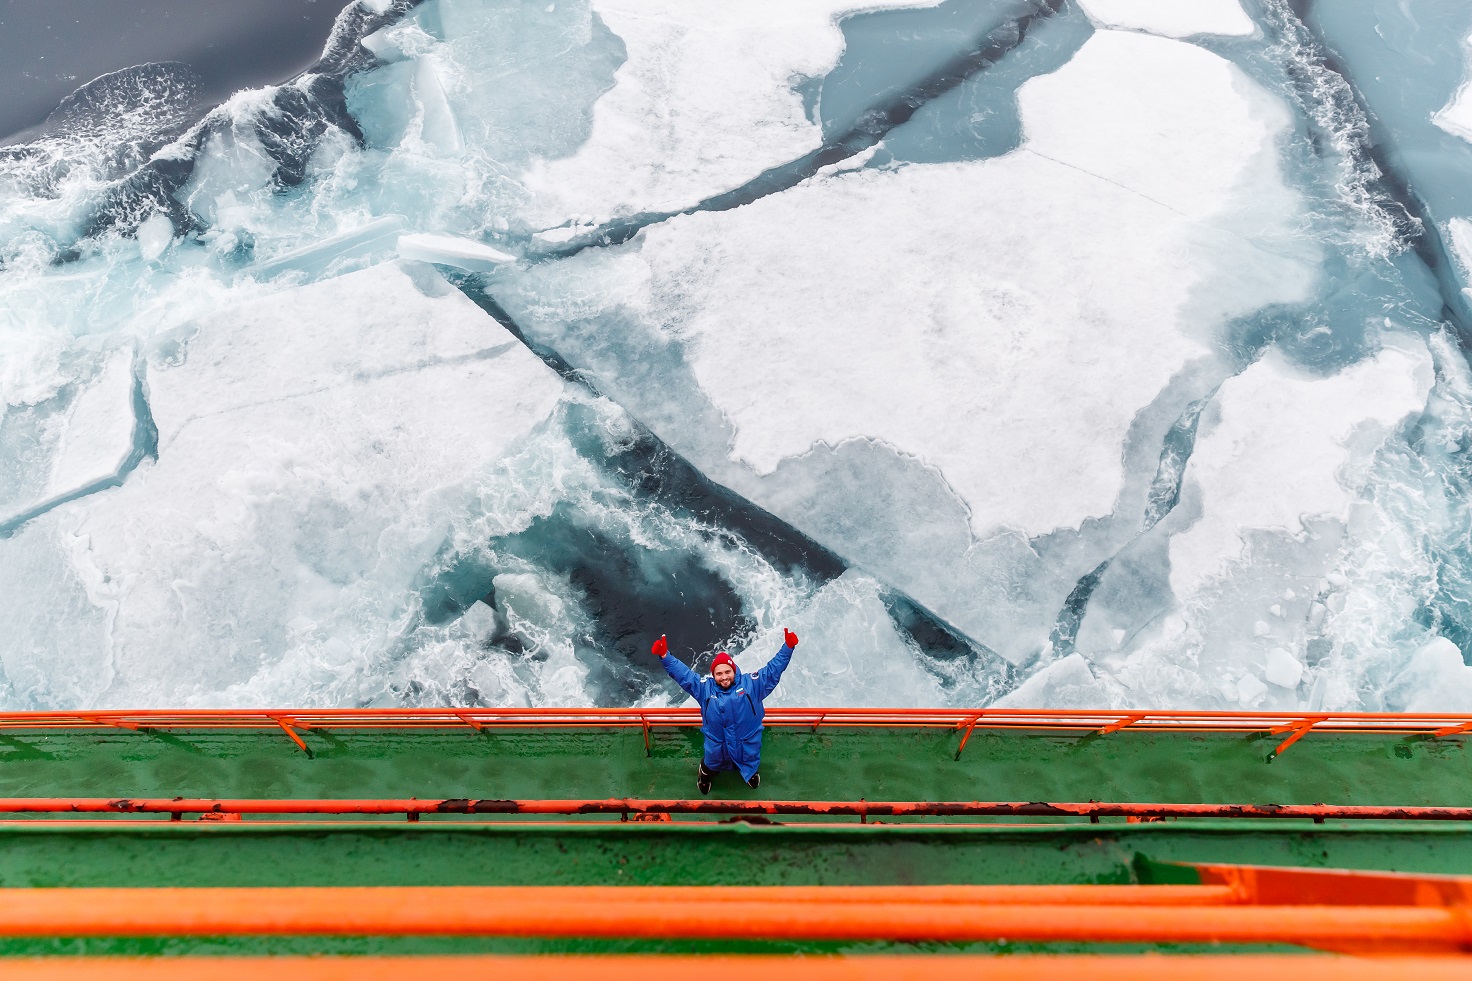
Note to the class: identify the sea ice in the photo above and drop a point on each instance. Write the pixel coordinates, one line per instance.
(984, 333)
(1173, 18)
(309, 446)
(1067, 683)
(1280, 449)
(451, 250)
(704, 102)
(1456, 116)
(98, 438)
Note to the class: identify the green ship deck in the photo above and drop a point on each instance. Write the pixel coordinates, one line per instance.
(193, 773)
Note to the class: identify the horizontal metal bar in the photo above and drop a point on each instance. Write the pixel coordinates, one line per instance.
(643, 967)
(577, 912)
(1440, 725)
(625, 806)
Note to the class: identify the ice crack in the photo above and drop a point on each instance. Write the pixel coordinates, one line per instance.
(870, 128)
(144, 447)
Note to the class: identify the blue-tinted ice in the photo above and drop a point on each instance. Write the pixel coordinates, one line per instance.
(1024, 352)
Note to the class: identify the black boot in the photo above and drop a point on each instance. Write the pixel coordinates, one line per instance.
(702, 779)
(755, 781)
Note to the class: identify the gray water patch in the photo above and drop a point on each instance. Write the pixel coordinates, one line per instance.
(1405, 62)
(979, 118)
(48, 49)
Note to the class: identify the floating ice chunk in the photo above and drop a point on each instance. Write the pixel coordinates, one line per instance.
(953, 354)
(154, 236)
(704, 102)
(1065, 684)
(96, 445)
(1437, 679)
(98, 439)
(1250, 691)
(311, 446)
(437, 126)
(370, 237)
(1280, 449)
(1283, 669)
(1456, 116)
(1459, 234)
(450, 250)
(1173, 18)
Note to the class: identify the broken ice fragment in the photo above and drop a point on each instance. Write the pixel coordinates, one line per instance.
(1173, 18)
(1273, 421)
(98, 438)
(450, 250)
(312, 447)
(315, 259)
(1250, 690)
(1283, 669)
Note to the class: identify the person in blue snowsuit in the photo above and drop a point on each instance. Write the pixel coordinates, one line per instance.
(731, 709)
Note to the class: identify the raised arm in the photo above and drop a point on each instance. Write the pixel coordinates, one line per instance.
(684, 677)
(770, 673)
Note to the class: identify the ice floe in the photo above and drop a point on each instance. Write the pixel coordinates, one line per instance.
(308, 445)
(953, 357)
(1172, 18)
(705, 101)
(1281, 448)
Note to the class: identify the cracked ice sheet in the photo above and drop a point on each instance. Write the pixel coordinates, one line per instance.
(95, 438)
(704, 103)
(1283, 450)
(1270, 493)
(310, 447)
(998, 325)
(1172, 18)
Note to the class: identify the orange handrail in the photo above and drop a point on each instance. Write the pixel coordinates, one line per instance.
(816, 808)
(583, 912)
(1436, 724)
(648, 967)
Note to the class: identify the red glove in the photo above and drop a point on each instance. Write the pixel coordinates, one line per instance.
(661, 647)
(789, 637)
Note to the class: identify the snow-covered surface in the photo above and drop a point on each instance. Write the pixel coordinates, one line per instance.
(1173, 18)
(308, 445)
(1285, 448)
(98, 435)
(704, 102)
(999, 324)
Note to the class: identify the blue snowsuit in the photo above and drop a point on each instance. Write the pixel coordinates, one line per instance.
(731, 718)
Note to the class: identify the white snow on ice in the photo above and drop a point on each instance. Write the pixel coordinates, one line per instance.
(704, 103)
(98, 434)
(1456, 116)
(1003, 322)
(308, 444)
(1284, 450)
(1172, 18)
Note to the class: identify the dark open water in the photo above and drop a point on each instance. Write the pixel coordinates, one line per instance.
(48, 48)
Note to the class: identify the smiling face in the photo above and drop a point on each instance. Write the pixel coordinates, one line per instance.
(724, 675)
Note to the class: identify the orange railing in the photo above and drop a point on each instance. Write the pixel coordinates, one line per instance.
(1103, 722)
(1041, 914)
(647, 967)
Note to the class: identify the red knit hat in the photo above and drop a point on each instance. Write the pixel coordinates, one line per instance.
(722, 658)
